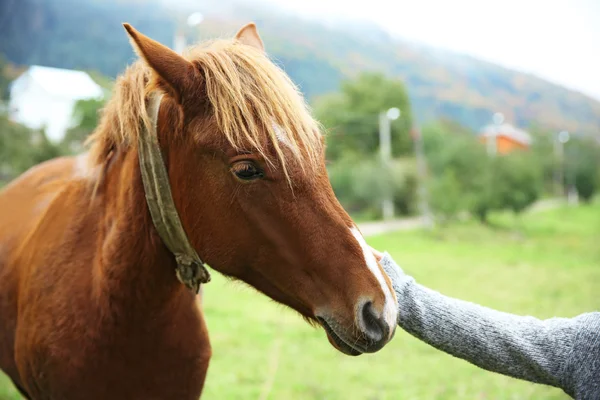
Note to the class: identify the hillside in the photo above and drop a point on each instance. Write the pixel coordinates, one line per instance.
(86, 34)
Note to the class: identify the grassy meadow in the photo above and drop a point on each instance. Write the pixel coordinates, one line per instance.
(549, 266)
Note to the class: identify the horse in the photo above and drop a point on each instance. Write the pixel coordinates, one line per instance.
(90, 302)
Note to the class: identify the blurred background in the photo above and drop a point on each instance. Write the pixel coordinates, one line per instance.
(463, 137)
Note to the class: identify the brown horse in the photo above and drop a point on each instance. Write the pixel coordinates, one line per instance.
(90, 306)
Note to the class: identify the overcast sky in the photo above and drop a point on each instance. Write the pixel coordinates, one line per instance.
(558, 40)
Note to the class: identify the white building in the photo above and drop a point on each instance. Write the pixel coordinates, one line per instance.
(44, 98)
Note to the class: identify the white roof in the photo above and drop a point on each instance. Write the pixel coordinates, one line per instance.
(507, 130)
(76, 85)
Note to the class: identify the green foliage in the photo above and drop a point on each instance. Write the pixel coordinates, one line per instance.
(457, 159)
(582, 166)
(104, 81)
(462, 177)
(446, 197)
(516, 181)
(352, 116)
(22, 148)
(542, 149)
(586, 183)
(4, 80)
(15, 148)
(405, 186)
(362, 183)
(87, 113)
(465, 178)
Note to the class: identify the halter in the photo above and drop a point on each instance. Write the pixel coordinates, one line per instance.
(190, 268)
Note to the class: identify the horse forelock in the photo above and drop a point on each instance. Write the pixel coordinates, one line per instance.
(253, 102)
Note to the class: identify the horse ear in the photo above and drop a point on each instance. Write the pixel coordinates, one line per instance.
(248, 35)
(170, 66)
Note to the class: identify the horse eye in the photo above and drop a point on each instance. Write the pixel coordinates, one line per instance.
(247, 171)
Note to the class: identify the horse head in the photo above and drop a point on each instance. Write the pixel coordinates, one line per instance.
(246, 164)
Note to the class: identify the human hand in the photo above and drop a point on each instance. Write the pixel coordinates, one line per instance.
(393, 271)
(378, 255)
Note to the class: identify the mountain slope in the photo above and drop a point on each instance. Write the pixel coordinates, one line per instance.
(87, 34)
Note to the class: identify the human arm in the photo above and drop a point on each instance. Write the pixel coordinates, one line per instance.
(560, 352)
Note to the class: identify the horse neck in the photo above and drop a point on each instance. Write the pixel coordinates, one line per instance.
(135, 264)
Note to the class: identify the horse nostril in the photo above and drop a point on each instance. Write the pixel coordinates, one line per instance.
(374, 326)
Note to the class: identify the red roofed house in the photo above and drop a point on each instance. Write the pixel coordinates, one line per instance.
(508, 138)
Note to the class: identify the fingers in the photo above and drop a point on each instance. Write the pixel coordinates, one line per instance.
(378, 255)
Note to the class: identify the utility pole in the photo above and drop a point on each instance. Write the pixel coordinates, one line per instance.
(385, 149)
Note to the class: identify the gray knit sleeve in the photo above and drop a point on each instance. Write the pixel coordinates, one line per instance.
(560, 352)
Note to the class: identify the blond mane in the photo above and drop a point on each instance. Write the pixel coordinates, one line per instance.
(253, 101)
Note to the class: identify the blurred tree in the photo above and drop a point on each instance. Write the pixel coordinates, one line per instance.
(582, 166)
(464, 177)
(361, 183)
(352, 116)
(516, 181)
(104, 81)
(437, 135)
(87, 112)
(22, 148)
(446, 197)
(4, 80)
(476, 177)
(542, 149)
(405, 186)
(15, 148)
(586, 182)
(44, 150)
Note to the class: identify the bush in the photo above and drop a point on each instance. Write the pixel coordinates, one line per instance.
(543, 152)
(21, 148)
(460, 164)
(583, 167)
(586, 183)
(465, 178)
(517, 181)
(361, 184)
(341, 175)
(87, 115)
(446, 197)
(405, 188)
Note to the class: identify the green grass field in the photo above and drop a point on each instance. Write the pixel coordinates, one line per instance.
(550, 268)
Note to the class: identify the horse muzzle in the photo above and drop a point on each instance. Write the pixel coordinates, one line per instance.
(369, 334)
